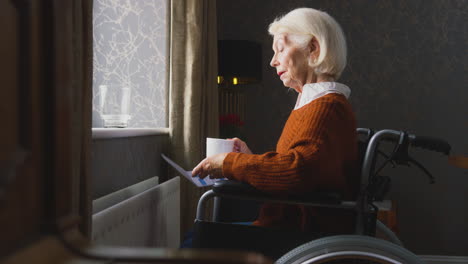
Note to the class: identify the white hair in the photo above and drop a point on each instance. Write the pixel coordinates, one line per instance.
(302, 24)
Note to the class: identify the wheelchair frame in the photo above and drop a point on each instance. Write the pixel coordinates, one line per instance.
(366, 222)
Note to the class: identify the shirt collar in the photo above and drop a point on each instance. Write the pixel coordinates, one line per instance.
(312, 91)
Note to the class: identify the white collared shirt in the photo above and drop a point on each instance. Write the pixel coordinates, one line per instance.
(312, 91)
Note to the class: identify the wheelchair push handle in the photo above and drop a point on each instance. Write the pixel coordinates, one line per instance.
(432, 143)
(400, 153)
(428, 143)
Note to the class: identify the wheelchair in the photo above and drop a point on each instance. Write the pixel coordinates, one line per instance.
(295, 247)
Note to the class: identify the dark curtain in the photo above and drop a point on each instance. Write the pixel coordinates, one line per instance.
(83, 70)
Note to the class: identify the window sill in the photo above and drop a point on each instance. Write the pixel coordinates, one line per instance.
(105, 133)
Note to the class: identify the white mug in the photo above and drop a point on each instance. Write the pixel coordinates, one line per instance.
(218, 145)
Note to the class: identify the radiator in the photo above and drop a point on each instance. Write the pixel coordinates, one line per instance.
(148, 219)
(232, 102)
(116, 197)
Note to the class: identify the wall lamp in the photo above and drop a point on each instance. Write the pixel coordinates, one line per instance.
(239, 62)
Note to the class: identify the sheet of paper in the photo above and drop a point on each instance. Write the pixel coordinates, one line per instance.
(188, 174)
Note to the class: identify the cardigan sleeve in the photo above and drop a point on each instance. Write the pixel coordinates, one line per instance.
(308, 137)
(272, 171)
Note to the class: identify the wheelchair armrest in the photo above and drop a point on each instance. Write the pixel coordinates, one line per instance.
(241, 189)
(235, 188)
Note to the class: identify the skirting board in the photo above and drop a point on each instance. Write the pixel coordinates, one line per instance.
(430, 259)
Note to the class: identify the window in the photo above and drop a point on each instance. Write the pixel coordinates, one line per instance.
(130, 50)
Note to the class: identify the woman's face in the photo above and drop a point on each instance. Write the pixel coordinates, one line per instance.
(291, 63)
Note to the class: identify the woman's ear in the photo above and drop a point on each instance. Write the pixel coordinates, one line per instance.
(314, 49)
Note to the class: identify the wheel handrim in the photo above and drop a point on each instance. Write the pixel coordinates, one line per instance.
(358, 255)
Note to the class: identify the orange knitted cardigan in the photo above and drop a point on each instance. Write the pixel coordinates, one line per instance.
(317, 151)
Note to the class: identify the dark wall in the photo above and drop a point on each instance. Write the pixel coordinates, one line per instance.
(407, 69)
(117, 163)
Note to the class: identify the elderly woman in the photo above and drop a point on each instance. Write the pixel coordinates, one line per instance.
(317, 150)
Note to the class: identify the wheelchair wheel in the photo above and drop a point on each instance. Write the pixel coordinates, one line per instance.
(349, 249)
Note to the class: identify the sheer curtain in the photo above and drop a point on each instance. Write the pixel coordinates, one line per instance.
(193, 94)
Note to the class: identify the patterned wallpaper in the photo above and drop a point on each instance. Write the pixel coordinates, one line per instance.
(130, 50)
(407, 69)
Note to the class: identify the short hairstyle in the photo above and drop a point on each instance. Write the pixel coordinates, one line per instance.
(302, 24)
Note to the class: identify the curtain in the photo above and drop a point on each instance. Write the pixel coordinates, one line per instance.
(193, 95)
(82, 43)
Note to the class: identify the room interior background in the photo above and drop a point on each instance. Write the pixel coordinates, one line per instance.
(407, 69)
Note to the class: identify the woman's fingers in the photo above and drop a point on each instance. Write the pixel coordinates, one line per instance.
(206, 168)
(196, 171)
(240, 146)
(202, 169)
(236, 145)
(236, 148)
(212, 166)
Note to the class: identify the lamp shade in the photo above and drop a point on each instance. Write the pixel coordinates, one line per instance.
(241, 59)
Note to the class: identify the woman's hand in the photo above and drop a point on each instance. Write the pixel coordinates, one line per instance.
(212, 165)
(240, 146)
